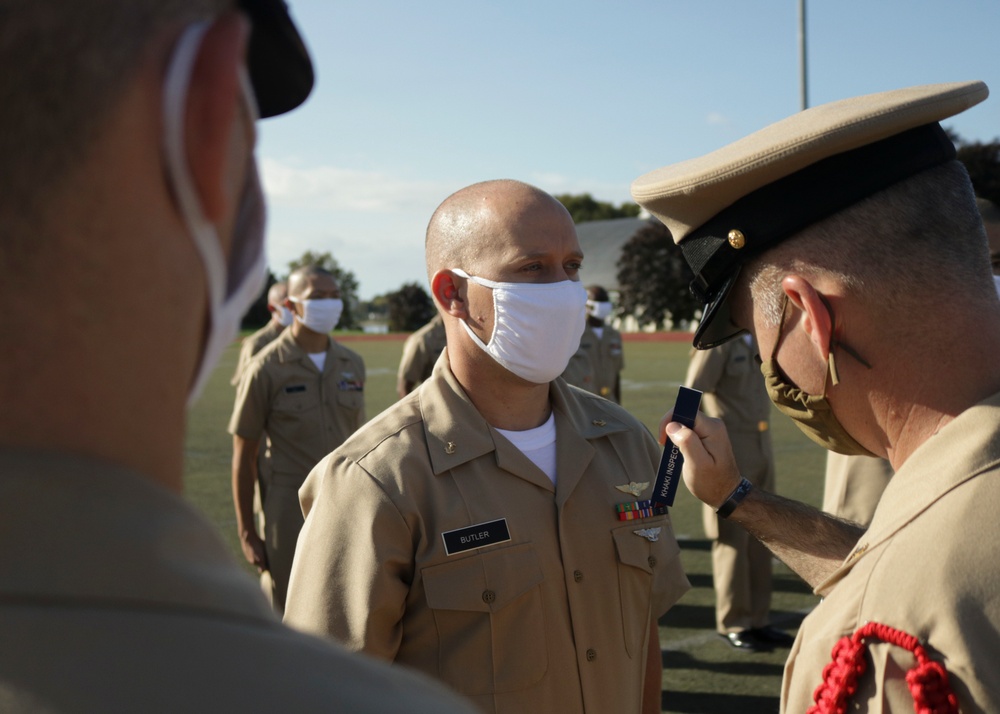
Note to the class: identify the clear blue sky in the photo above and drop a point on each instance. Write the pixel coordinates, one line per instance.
(415, 100)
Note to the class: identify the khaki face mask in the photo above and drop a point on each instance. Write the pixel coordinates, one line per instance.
(812, 412)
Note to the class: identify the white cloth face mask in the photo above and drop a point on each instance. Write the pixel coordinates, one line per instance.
(320, 315)
(536, 326)
(232, 288)
(600, 310)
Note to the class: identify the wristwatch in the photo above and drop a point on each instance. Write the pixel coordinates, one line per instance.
(735, 498)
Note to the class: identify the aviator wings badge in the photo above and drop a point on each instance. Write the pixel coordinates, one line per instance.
(650, 534)
(633, 488)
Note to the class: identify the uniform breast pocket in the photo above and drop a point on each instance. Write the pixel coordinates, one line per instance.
(352, 399)
(488, 614)
(295, 412)
(647, 565)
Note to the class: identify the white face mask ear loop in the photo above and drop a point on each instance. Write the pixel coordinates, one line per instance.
(175, 89)
(485, 283)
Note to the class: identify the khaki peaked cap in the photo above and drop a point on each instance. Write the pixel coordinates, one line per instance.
(732, 204)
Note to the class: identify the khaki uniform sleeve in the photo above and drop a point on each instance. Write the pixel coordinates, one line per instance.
(360, 367)
(352, 564)
(253, 403)
(246, 352)
(411, 365)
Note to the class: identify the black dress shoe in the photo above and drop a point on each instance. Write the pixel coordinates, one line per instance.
(742, 641)
(771, 636)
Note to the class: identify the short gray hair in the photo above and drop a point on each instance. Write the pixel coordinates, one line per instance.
(921, 233)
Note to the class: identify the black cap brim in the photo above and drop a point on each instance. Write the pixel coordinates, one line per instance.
(280, 68)
(717, 324)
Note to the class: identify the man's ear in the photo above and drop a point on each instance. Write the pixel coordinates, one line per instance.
(815, 318)
(447, 289)
(211, 113)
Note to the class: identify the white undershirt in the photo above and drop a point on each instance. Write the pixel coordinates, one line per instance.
(538, 444)
(599, 331)
(319, 359)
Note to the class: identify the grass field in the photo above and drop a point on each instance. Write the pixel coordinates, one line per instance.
(702, 674)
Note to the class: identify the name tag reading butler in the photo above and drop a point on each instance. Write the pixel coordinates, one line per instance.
(667, 476)
(477, 536)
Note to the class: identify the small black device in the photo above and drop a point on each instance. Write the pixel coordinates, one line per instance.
(668, 474)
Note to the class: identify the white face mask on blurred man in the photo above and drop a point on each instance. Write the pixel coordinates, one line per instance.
(599, 310)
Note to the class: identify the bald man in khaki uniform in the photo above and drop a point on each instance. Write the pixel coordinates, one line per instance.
(116, 594)
(842, 238)
(303, 395)
(472, 530)
(420, 352)
(280, 319)
(741, 567)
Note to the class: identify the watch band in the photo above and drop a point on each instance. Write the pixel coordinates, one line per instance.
(735, 498)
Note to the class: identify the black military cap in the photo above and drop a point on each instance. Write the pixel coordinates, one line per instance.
(280, 69)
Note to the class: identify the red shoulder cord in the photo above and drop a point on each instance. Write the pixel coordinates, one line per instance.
(928, 681)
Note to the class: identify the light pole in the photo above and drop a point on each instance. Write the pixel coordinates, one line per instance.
(803, 79)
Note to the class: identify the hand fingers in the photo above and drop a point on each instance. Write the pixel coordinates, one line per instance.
(689, 442)
(661, 433)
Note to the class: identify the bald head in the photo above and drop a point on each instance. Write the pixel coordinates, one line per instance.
(277, 294)
(470, 229)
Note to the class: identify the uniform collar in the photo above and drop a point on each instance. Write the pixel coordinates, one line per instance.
(963, 449)
(457, 433)
(77, 531)
(289, 351)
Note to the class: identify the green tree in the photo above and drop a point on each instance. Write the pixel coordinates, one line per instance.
(409, 308)
(345, 279)
(585, 208)
(653, 278)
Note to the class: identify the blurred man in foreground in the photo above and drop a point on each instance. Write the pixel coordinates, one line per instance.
(129, 185)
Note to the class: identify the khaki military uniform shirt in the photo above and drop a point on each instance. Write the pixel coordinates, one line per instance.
(305, 414)
(597, 363)
(853, 485)
(432, 541)
(928, 566)
(421, 350)
(118, 596)
(253, 344)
